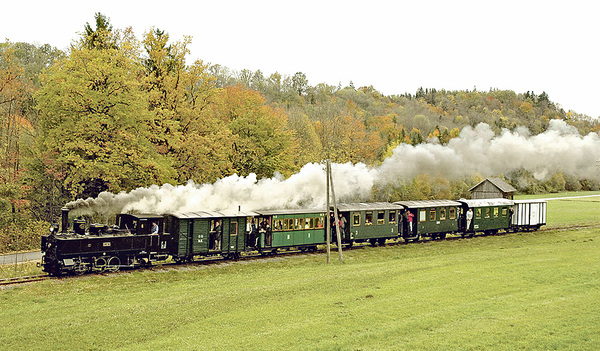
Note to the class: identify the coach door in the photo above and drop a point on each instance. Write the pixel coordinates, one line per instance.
(236, 238)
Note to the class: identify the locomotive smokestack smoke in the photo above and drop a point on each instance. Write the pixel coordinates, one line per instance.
(303, 189)
(476, 151)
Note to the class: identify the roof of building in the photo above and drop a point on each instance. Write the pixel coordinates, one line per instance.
(498, 183)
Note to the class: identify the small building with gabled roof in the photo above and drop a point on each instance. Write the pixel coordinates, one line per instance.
(492, 188)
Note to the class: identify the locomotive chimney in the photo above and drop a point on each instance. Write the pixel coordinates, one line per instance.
(65, 220)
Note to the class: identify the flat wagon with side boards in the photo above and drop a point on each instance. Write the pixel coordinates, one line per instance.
(528, 215)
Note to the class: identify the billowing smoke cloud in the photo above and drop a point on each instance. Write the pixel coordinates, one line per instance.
(305, 189)
(476, 150)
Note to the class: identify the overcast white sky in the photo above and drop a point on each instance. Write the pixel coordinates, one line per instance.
(395, 46)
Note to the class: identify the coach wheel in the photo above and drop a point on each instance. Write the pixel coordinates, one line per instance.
(113, 264)
(442, 236)
(381, 241)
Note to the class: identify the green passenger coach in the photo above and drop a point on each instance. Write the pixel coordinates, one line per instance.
(290, 228)
(429, 218)
(207, 234)
(372, 222)
(486, 215)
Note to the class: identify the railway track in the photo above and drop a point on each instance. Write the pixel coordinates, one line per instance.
(23, 280)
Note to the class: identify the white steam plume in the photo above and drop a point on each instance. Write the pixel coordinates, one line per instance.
(476, 150)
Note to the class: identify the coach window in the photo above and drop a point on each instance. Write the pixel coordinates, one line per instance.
(504, 212)
(309, 223)
(488, 212)
(478, 213)
(369, 218)
(298, 223)
(233, 229)
(320, 222)
(380, 217)
(392, 218)
(432, 214)
(442, 214)
(496, 212)
(356, 219)
(287, 224)
(452, 213)
(278, 225)
(422, 215)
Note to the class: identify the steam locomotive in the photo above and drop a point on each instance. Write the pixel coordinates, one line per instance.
(137, 240)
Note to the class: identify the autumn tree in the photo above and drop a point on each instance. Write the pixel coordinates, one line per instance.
(94, 117)
(300, 83)
(345, 138)
(262, 142)
(103, 37)
(14, 90)
(18, 227)
(182, 127)
(306, 134)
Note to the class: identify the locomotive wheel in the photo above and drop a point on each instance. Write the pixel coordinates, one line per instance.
(81, 268)
(113, 264)
(100, 263)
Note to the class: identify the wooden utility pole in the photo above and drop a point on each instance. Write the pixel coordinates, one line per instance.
(328, 219)
(335, 214)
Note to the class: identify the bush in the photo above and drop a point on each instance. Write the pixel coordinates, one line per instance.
(25, 235)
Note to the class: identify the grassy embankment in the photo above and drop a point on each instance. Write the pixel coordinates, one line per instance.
(517, 291)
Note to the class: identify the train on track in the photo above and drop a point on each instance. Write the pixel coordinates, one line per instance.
(137, 240)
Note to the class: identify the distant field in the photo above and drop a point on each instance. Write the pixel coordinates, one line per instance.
(564, 194)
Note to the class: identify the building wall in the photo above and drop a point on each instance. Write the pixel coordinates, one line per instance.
(487, 190)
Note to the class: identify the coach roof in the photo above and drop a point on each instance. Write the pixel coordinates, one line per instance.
(427, 203)
(372, 206)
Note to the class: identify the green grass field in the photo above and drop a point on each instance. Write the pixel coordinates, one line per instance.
(526, 291)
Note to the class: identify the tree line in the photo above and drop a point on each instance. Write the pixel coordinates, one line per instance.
(115, 113)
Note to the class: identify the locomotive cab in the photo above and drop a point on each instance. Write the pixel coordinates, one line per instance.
(140, 225)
